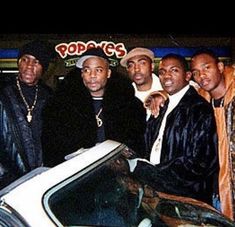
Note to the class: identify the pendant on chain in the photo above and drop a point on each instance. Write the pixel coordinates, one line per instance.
(98, 121)
(29, 116)
(29, 109)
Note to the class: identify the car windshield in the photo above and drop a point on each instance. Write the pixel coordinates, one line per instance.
(105, 194)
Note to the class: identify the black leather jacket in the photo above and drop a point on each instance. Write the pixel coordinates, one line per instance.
(20, 142)
(189, 155)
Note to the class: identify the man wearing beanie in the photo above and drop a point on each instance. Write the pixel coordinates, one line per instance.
(21, 102)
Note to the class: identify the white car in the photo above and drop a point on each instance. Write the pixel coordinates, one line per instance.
(89, 190)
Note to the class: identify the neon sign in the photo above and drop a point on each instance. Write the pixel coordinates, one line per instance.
(77, 48)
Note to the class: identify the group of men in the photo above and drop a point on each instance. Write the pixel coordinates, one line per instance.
(187, 150)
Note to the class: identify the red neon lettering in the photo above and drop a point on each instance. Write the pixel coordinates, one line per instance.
(62, 50)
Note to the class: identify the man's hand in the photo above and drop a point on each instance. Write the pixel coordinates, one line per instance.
(154, 101)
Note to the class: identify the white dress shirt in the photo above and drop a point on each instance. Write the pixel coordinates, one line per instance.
(157, 146)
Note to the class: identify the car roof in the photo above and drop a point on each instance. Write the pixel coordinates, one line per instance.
(22, 179)
(35, 184)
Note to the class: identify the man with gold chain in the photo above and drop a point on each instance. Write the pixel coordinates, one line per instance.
(96, 104)
(217, 85)
(21, 102)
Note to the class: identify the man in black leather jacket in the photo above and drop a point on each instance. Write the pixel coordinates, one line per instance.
(21, 102)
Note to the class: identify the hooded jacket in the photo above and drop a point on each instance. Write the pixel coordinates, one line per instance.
(226, 129)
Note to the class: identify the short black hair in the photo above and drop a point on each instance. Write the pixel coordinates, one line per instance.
(178, 57)
(208, 51)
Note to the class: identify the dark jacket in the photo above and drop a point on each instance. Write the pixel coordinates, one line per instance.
(20, 145)
(189, 159)
(70, 124)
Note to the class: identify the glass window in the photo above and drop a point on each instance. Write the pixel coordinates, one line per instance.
(105, 194)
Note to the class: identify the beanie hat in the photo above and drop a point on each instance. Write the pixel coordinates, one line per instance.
(40, 50)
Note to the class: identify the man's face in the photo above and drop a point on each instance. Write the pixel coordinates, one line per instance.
(30, 69)
(95, 73)
(172, 75)
(206, 71)
(139, 69)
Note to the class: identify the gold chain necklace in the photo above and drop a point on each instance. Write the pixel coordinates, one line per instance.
(98, 119)
(29, 109)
